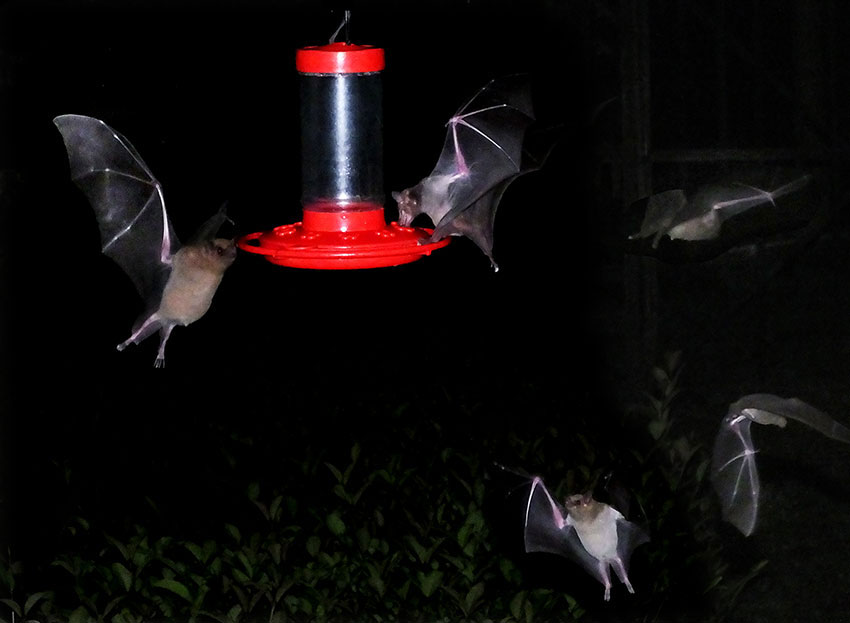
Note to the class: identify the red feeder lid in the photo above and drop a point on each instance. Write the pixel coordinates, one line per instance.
(341, 239)
(339, 58)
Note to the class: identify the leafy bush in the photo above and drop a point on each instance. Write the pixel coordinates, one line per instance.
(404, 525)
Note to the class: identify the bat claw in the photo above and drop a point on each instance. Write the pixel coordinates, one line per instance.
(159, 363)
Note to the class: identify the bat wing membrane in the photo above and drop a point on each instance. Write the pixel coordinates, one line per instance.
(794, 409)
(126, 198)
(629, 536)
(734, 474)
(548, 530)
(484, 143)
(477, 220)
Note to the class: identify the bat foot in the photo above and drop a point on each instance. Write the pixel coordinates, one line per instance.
(159, 363)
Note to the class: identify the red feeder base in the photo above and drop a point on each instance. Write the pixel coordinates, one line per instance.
(341, 239)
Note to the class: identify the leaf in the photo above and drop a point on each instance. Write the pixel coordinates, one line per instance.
(119, 546)
(313, 545)
(335, 524)
(472, 597)
(657, 428)
(174, 586)
(124, 574)
(420, 551)
(660, 376)
(274, 508)
(80, 615)
(196, 550)
(516, 605)
(240, 577)
(700, 472)
(430, 582)
(13, 606)
(234, 532)
(337, 474)
(253, 491)
(234, 612)
(275, 551)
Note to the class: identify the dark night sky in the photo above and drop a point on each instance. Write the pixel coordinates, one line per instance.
(209, 98)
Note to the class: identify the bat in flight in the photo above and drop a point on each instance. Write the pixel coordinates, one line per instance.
(733, 468)
(487, 147)
(595, 535)
(176, 283)
(699, 217)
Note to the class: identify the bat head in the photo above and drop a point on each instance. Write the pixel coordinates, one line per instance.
(409, 204)
(582, 507)
(215, 255)
(225, 249)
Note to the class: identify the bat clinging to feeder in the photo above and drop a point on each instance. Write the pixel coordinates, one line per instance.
(176, 283)
(733, 468)
(593, 534)
(700, 216)
(485, 150)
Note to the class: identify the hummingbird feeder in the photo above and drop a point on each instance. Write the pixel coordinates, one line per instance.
(342, 192)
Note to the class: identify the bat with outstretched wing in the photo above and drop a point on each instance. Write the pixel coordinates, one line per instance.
(591, 533)
(733, 468)
(485, 150)
(674, 214)
(177, 283)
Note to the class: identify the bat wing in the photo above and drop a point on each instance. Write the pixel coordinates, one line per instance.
(629, 536)
(734, 474)
(661, 211)
(483, 146)
(127, 200)
(712, 204)
(761, 407)
(477, 220)
(547, 530)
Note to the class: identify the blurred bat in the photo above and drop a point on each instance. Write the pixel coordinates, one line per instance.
(485, 150)
(733, 466)
(176, 283)
(591, 533)
(700, 217)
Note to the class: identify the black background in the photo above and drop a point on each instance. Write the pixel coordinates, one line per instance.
(209, 97)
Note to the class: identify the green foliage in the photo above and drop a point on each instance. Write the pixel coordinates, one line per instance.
(372, 533)
(399, 531)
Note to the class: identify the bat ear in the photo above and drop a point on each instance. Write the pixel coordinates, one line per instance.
(396, 196)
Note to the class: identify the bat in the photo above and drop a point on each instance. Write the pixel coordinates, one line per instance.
(177, 283)
(484, 151)
(700, 217)
(733, 467)
(593, 534)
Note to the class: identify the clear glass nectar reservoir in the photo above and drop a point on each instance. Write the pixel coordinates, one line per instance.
(341, 127)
